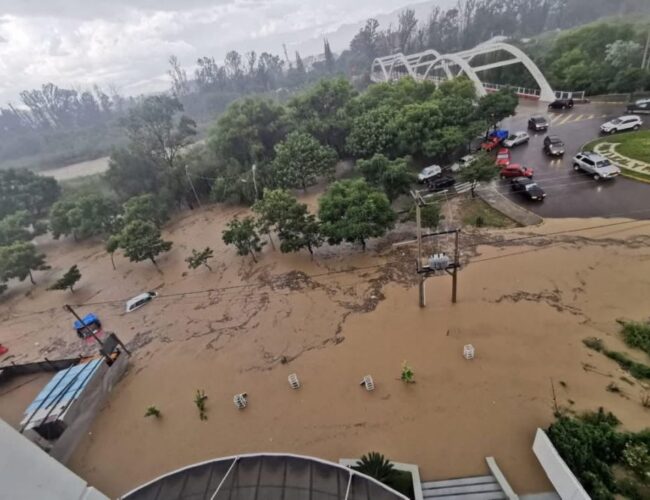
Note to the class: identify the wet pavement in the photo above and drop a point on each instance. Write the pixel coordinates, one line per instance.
(570, 193)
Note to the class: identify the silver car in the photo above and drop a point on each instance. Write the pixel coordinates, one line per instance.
(516, 139)
(596, 165)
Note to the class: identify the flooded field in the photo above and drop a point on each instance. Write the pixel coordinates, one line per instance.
(81, 169)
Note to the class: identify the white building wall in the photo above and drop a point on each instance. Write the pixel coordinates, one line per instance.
(27, 472)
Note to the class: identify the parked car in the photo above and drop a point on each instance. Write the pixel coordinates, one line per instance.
(494, 139)
(463, 162)
(621, 124)
(429, 173)
(515, 170)
(140, 300)
(89, 323)
(528, 188)
(538, 123)
(596, 165)
(440, 183)
(516, 139)
(641, 106)
(553, 145)
(503, 157)
(561, 104)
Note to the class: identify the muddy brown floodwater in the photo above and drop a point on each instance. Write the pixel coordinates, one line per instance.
(525, 305)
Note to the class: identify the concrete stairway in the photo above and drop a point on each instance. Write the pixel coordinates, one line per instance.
(466, 488)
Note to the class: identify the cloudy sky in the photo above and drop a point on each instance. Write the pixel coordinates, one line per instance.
(127, 42)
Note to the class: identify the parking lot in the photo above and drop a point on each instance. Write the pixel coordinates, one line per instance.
(570, 193)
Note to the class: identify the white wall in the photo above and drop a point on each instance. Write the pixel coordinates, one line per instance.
(27, 472)
(565, 483)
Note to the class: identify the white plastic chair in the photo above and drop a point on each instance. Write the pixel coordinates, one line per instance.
(294, 383)
(368, 383)
(240, 400)
(468, 351)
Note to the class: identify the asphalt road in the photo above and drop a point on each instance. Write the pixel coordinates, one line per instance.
(570, 193)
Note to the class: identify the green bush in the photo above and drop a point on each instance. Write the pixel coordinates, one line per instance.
(637, 335)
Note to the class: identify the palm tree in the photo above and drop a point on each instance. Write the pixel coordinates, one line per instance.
(377, 466)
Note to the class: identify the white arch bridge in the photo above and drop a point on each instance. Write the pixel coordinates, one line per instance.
(431, 65)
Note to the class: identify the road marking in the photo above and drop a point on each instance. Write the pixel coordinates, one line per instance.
(566, 119)
(556, 118)
(603, 116)
(579, 118)
(591, 117)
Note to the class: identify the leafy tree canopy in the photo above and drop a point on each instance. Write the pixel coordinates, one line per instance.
(353, 211)
(393, 177)
(496, 106)
(83, 217)
(140, 240)
(481, 170)
(243, 235)
(24, 190)
(300, 160)
(18, 260)
(200, 258)
(145, 207)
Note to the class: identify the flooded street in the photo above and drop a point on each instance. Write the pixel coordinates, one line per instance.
(527, 298)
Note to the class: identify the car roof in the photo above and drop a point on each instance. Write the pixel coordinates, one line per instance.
(641, 101)
(553, 138)
(523, 180)
(538, 117)
(137, 298)
(624, 117)
(592, 155)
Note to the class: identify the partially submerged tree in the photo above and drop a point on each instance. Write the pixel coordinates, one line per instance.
(496, 106)
(83, 217)
(243, 235)
(68, 280)
(145, 207)
(377, 466)
(301, 160)
(140, 240)
(353, 211)
(112, 244)
(18, 260)
(300, 230)
(200, 258)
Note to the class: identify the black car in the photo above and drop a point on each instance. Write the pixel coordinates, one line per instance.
(440, 183)
(553, 145)
(529, 188)
(537, 123)
(639, 107)
(561, 104)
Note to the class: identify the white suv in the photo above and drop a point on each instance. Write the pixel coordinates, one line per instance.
(628, 122)
(596, 165)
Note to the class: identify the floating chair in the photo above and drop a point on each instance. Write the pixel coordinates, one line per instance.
(294, 383)
(468, 351)
(368, 383)
(240, 400)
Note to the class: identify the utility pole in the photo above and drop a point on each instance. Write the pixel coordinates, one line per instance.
(254, 168)
(454, 276)
(189, 179)
(85, 327)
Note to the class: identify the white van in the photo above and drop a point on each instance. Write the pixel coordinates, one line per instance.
(139, 300)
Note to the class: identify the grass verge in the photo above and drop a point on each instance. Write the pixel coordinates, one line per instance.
(475, 212)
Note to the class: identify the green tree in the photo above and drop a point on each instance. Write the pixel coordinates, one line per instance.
(377, 466)
(353, 211)
(24, 190)
(145, 207)
(140, 240)
(321, 112)
(372, 132)
(243, 235)
(83, 217)
(393, 177)
(496, 106)
(273, 210)
(132, 172)
(155, 128)
(200, 258)
(300, 160)
(14, 228)
(300, 230)
(68, 280)
(248, 131)
(18, 260)
(112, 244)
(481, 170)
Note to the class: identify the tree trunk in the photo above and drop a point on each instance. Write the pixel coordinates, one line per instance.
(311, 250)
(113, 262)
(252, 253)
(363, 244)
(31, 278)
(72, 288)
(208, 266)
(271, 240)
(154, 262)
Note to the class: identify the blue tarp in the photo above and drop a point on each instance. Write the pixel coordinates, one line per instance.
(88, 319)
(65, 385)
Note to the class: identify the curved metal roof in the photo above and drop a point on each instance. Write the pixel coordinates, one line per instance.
(265, 476)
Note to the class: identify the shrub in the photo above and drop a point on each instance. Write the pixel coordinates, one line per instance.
(152, 411)
(637, 335)
(199, 400)
(408, 374)
(593, 343)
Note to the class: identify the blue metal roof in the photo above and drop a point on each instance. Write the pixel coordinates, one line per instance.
(87, 320)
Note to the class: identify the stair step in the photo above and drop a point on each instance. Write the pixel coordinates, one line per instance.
(459, 481)
(497, 495)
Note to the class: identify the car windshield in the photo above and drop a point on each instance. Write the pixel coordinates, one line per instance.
(556, 141)
(615, 122)
(603, 164)
(530, 186)
(512, 137)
